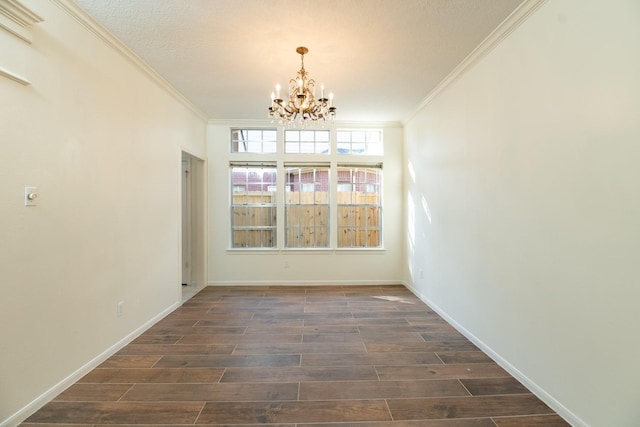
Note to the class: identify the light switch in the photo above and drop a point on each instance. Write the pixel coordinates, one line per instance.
(30, 196)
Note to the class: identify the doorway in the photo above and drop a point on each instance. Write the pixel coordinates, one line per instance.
(193, 225)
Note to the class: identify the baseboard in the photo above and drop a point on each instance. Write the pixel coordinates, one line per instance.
(44, 398)
(548, 399)
(305, 283)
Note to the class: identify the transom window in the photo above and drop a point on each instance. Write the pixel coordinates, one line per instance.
(306, 141)
(253, 140)
(359, 142)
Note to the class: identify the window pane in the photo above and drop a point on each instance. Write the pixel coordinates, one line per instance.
(344, 148)
(253, 140)
(269, 146)
(253, 207)
(292, 147)
(358, 136)
(344, 188)
(322, 215)
(360, 142)
(322, 147)
(359, 207)
(343, 136)
(307, 147)
(307, 136)
(292, 135)
(307, 207)
(358, 148)
(322, 136)
(306, 141)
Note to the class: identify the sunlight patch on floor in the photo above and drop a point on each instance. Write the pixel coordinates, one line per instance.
(394, 299)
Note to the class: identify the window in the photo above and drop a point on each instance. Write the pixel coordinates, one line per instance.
(306, 206)
(359, 142)
(326, 195)
(306, 141)
(253, 140)
(359, 206)
(253, 206)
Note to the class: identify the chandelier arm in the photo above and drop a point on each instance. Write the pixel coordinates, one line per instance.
(289, 109)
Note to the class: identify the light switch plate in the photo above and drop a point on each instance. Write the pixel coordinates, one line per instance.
(30, 196)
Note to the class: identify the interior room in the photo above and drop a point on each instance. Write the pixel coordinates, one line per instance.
(477, 158)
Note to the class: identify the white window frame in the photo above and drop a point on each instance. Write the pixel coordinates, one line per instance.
(307, 216)
(332, 159)
(265, 232)
(307, 141)
(349, 141)
(254, 141)
(361, 222)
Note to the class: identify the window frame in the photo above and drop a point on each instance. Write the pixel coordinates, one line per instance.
(318, 212)
(234, 144)
(264, 210)
(316, 143)
(333, 161)
(356, 211)
(368, 142)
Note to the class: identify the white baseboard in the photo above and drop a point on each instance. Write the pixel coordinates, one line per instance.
(548, 399)
(305, 283)
(45, 397)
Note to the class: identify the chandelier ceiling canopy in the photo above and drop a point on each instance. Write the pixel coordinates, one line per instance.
(302, 106)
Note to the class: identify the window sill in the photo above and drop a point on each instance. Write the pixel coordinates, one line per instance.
(309, 251)
(253, 251)
(361, 250)
(303, 251)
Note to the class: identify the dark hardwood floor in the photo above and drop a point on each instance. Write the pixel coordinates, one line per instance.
(299, 356)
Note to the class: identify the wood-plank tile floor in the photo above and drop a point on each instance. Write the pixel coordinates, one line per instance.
(299, 357)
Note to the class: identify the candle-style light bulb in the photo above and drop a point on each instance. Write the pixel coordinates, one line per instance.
(273, 96)
(278, 91)
(322, 90)
(331, 99)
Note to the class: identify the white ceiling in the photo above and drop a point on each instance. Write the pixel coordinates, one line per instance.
(381, 58)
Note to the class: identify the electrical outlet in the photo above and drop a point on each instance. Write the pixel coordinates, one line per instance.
(120, 308)
(286, 264)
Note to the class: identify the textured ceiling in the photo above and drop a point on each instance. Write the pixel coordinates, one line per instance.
(381, 58)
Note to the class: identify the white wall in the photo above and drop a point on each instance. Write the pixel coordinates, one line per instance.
(528, 166)
(304, 267)
(101, 140)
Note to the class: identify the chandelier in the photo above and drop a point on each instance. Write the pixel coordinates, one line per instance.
(302, 106)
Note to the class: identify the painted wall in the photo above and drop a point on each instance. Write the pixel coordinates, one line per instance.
(101, 140)
(523, 222)
(302, 266)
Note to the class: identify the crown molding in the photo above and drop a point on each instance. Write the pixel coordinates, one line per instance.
(91, 24)
(14, 77)
(16, 18)
(506, 27)
(335, 124)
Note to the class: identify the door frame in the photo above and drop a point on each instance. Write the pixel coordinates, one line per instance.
(193, 220)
